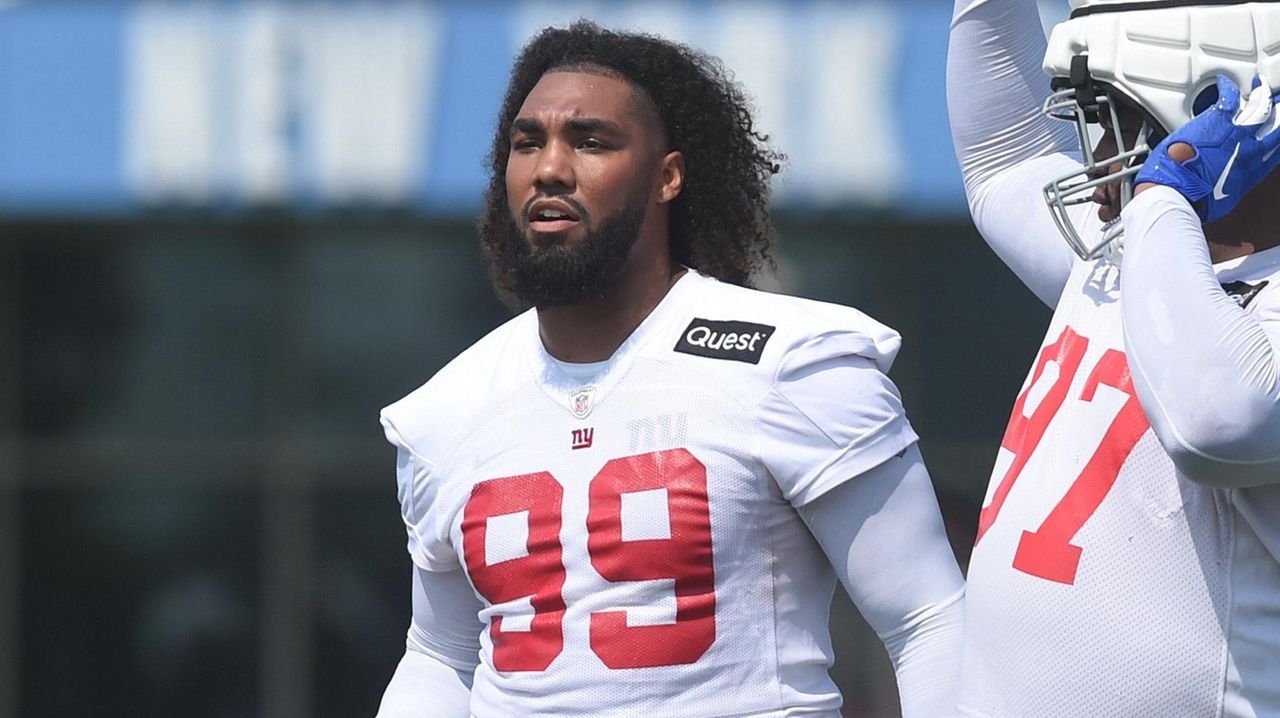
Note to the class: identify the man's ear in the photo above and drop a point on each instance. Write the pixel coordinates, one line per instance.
(672, 168)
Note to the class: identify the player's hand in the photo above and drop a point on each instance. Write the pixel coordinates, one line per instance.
(1232, 147)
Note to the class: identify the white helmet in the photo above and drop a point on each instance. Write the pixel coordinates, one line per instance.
(1163, 56)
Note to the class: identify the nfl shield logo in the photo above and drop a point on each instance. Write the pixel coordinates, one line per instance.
(580, 401)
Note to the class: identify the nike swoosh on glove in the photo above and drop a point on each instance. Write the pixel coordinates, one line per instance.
(1235, 149)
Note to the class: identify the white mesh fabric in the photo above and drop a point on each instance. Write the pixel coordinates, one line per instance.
(1144, 628)
(739, 674)
(1253, 638)
(503, 410)
(1175, 608)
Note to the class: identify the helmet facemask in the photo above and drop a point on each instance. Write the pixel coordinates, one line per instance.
(1160, 57)
(1084, 103)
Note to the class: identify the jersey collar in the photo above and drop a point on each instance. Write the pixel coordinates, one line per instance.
(569, 391)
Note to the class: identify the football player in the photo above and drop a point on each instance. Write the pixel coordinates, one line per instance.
(635, 498)
(1127, 560)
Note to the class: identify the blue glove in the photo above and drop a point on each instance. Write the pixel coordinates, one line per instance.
(1235, 149)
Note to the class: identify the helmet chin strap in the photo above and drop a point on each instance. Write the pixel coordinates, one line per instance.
(1082, 83)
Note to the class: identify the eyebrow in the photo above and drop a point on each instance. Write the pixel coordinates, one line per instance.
(593, 124)
(528, 125)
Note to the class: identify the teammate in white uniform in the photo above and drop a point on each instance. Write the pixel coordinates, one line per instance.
(635, 498)
(1127, 561)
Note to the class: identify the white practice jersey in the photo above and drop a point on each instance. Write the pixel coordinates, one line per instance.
(633, 537)
(1103, 583)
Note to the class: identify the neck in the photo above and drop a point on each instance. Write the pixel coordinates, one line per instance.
(1251, 227)
(592, 331)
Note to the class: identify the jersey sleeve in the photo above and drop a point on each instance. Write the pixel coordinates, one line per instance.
(830, 415)
(418, 489)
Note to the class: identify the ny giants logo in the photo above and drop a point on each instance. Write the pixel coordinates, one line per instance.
(582, 438)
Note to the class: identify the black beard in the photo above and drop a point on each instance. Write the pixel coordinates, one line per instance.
(553, 276)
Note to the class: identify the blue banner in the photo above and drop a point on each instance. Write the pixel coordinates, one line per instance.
(117, 107)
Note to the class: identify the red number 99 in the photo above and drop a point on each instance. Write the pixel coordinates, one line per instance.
(684, 556)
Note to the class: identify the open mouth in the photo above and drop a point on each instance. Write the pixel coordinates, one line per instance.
(551, 215)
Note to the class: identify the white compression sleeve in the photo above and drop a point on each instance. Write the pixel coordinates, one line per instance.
(423, 686)
(1207, 371)
(883, 534)
(1007, 149)
(442, 650)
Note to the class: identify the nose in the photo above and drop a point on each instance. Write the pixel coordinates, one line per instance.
(555, 166)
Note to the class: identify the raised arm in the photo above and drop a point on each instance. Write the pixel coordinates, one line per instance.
(1206, 369)
(1007, 149)
(1205, 363)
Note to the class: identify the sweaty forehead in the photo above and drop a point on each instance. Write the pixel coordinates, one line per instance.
(592, 91)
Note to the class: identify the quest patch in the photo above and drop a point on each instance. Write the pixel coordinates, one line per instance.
(736, 341)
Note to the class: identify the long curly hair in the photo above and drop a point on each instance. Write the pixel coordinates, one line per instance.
(720, 221)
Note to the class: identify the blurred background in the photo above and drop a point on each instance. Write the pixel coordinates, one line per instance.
(231, 231)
